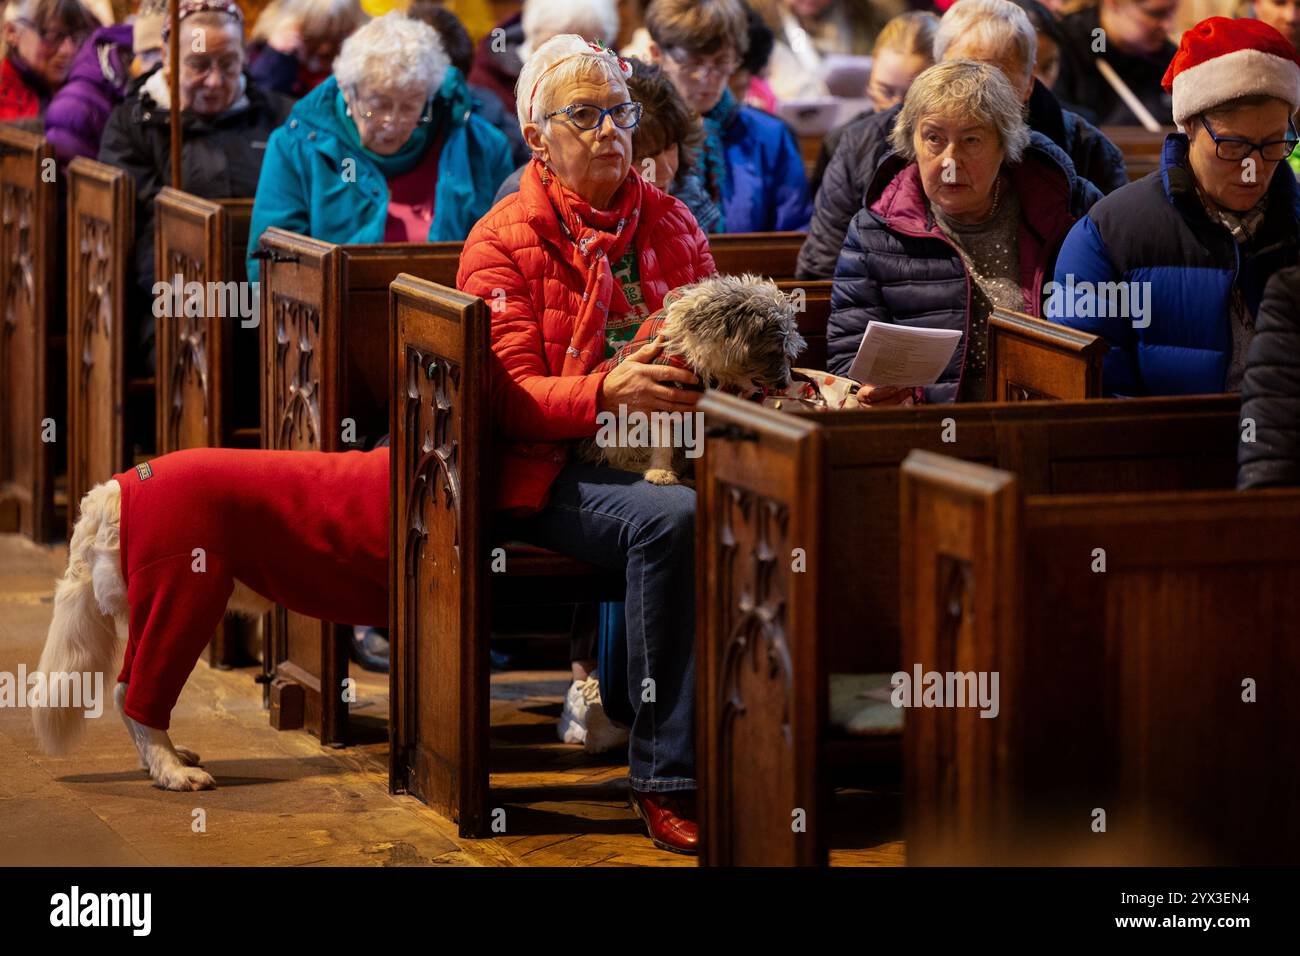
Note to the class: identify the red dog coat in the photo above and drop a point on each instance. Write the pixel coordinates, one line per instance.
(309, 530)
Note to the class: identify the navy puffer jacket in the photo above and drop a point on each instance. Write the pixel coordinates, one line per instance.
(897, 265)
(1156, 231)
(852, 152)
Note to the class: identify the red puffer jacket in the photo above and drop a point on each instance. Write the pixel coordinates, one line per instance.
(518, 260)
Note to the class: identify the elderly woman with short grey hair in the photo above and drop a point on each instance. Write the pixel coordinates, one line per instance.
(964, 216)
(573, 263)
(386, 150)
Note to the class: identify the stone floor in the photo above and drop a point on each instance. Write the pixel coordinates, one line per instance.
(281, 799)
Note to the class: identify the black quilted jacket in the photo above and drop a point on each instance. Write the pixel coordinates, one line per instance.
(1270, 391)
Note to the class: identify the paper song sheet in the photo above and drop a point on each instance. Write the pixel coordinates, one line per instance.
(903, 355)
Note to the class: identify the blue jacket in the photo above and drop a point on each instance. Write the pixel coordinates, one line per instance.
(897, 265)
(767, 190)
(1155, 231)
(303, 187)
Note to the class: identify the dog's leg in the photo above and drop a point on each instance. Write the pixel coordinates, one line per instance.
(171, 768)
(660, 470)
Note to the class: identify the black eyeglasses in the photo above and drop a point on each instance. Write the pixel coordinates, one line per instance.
(52, 39)
(1233, 149)
(586, 116)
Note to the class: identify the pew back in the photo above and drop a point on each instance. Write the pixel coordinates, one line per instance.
(798, 531)
(448, 568)
(207, 358)
(32, 334)
(1141, 148)
(1122, 685)
(439, 422)
(101, 230)
(1032, 359)
(326, 354)
(771, 254)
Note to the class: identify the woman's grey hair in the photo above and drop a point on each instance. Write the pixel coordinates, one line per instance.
(558, 64)
(960, 89)
(998, 24)
(543, 19)
(392, 52)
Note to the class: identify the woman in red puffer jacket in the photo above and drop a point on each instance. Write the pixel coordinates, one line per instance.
(570, 266)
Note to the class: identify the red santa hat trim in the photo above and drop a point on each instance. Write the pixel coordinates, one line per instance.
(1220, 60)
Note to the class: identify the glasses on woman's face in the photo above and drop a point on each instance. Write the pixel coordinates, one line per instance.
(385, 109)
(697, 68)
(586, 116)
(198, 67)
(51, 40)
(1235, 150)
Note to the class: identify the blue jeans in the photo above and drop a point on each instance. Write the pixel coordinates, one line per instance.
(619, 521)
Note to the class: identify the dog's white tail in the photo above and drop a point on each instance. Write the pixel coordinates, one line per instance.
(82, 637)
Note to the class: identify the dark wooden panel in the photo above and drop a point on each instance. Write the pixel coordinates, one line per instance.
(438, 611)
(1054, 447)
(1034, 360)
(1121, 690)
(101, 232)
(32, 335)
(759, 714)
(771, 254)
(202, 241)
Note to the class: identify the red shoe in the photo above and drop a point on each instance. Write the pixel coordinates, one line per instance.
(670, 820)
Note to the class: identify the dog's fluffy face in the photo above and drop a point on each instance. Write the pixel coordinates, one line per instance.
(737, 331)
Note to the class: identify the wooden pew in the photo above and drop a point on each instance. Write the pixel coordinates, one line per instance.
(777, 627)
(32, 336)
(325, 347)
(447, 569)
(204, 360)
(326, 356)
(1032, 359)
(1120, 690)
(101, 232)
(1141, 148)
(771, 254)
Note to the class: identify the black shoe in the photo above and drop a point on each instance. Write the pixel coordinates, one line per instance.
(370, 648)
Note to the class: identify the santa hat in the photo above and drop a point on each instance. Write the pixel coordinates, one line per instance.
(1221, 59)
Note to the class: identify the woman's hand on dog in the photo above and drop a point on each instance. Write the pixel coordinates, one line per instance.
(869, 396)
(637, 384)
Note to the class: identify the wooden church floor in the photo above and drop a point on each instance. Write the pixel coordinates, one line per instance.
(282, 800)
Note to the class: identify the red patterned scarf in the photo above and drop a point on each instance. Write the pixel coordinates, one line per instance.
(598, 239)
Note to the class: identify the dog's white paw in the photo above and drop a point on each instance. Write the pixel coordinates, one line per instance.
(181, 777)
(661, 476)
(184, 755)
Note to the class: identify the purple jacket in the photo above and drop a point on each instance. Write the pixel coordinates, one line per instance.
(98, 81)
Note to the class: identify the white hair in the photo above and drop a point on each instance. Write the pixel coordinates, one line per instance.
(543, 19)
(559, 63)
(998, 24)
(963, 88)
(392, 52)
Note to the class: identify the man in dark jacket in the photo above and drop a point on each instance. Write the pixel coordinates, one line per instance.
(1269, 453)
(1132, 38)
(864, 141)
(226, 123)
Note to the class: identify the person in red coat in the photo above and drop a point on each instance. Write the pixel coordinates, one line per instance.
(571, 265)
(40, 39)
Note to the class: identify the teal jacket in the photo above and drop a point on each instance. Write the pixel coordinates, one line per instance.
(303, 187)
